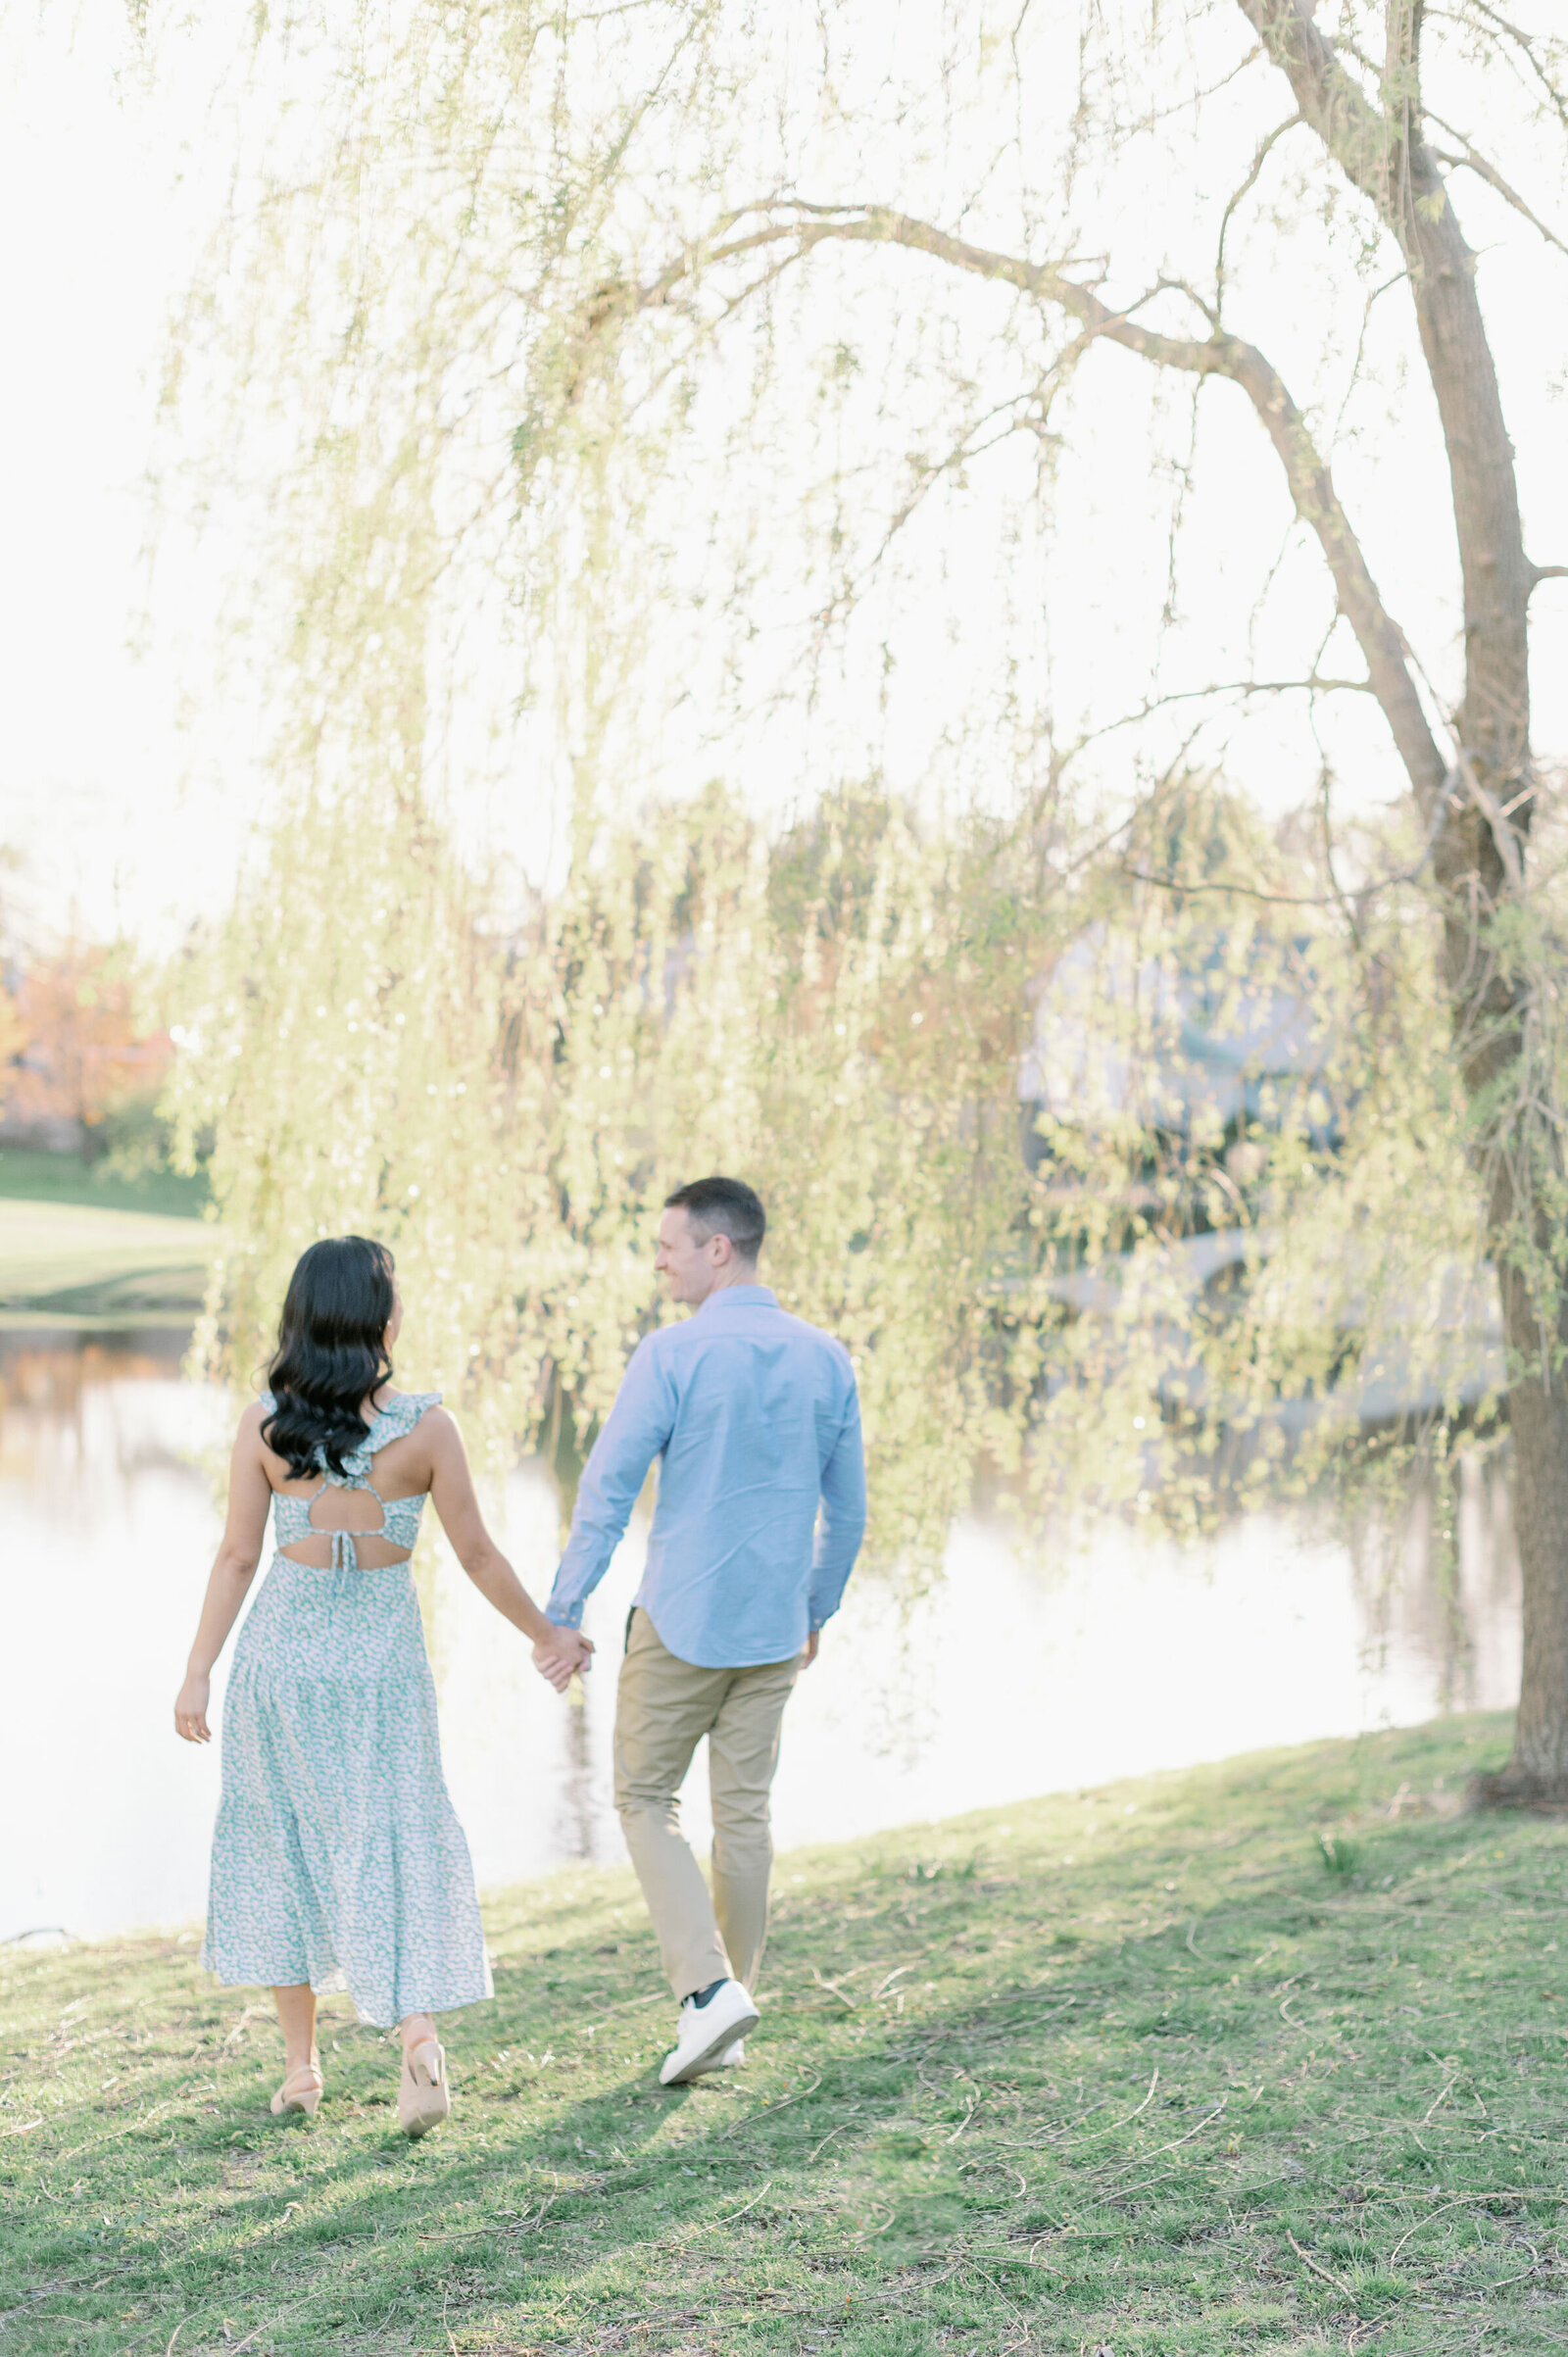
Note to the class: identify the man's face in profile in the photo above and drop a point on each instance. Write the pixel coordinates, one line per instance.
(690, 1263)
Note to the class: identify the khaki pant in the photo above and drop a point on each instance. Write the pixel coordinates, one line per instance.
(664, 1708)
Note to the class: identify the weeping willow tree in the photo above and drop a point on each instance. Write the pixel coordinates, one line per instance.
(779, 494)
(508, 1113)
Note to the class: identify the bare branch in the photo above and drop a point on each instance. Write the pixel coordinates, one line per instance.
(1310, 484)
(1313, 685)
(1470, 161)
(803, 226)
(1252, 892)
(1265, 149)
(1526, 47)
(969, 445)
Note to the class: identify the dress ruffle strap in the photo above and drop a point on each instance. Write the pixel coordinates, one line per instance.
(388, 1424)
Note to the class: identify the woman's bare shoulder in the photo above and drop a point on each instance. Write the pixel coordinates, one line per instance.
(440, 1428)
(249, 1447)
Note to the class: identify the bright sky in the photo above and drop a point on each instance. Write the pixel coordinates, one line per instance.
(129, 781)
(106, 798)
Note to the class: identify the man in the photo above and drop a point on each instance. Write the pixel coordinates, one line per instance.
(754, 1417)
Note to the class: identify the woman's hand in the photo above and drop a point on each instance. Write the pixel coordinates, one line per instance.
(190, 1710)
(249, 1497)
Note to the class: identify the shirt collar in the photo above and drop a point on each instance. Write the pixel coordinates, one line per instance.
(742, 1296)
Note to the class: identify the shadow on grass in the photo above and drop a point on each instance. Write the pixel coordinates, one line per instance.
(1166, 2003)
(1207, 2093)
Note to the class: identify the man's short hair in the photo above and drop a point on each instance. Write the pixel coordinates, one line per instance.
(723, 1207)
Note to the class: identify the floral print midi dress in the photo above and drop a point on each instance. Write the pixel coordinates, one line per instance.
(337, 1858)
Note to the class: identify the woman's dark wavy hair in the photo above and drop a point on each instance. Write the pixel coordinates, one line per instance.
(332, 1352)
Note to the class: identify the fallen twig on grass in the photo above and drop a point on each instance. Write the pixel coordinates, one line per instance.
(1144, 2158)
(729, 2216)
(1317, 2267)
(833, 1988)
(519, 2226)
(250, 2014)
(884, 1987)
(1461, 2201)
(1142, 2108)
(1442, 2096)
(769, 2111)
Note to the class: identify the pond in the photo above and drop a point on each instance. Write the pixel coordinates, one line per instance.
(1111, 1657)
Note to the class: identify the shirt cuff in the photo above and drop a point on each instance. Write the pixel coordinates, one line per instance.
(564, 1616)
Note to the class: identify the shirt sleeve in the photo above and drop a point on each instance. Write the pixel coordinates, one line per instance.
(842, 1525)
(634, 1434)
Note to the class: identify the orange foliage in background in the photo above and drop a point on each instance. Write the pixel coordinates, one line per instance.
(71, 1055)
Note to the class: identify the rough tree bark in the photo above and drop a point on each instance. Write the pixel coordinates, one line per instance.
(1475, 793)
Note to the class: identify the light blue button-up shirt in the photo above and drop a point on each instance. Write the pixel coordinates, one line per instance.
(754, 1417)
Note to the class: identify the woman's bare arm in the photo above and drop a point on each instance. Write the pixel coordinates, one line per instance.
(250, 1495)
(556, 1653)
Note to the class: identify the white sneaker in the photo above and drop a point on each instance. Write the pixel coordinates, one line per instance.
(707, 2032)
(730, 2060)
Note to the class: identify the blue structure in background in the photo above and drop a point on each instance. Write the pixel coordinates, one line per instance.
(1183, 1049)
(1182, 1058)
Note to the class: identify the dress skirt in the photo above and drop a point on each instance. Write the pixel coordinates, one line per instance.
(337, 1858)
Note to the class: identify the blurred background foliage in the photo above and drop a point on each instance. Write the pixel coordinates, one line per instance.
(1158, 1313)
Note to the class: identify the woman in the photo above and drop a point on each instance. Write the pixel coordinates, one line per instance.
(337, 1860)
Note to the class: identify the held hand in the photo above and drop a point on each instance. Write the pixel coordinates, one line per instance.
(559, 1656)
(190, 1710)
(812, 1643)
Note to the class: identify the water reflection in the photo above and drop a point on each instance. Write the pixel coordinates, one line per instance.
(1120, 1656)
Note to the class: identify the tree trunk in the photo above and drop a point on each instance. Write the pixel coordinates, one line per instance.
(1479, 867)
(1537, 1775)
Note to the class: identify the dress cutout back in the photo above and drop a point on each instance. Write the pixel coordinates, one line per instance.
(400, 1516)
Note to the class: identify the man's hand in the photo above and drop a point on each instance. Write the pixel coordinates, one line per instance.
(812, 1643)
(559, 1656)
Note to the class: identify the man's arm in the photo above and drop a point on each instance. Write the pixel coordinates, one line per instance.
(635, 1432)
(842, 1526)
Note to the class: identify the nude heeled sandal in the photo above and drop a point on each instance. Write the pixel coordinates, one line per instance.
(301, 2090)
(424, 2096)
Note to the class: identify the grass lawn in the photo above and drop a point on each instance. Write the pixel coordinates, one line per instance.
(65, 1178)
(74, 1261)
(1265, 2056)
